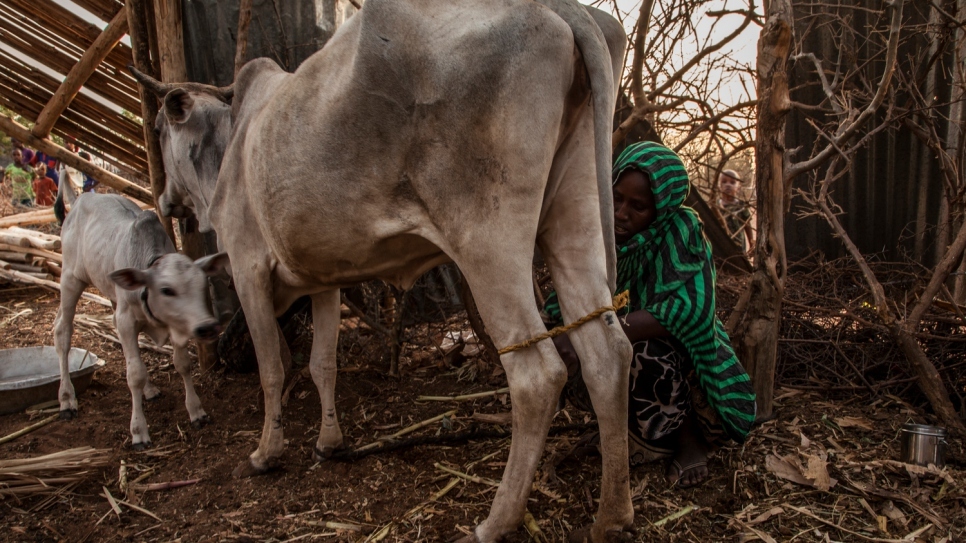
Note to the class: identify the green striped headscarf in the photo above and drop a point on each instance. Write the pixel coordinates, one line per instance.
(668, 271)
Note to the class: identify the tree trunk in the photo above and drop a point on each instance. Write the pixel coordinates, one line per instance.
(756, 329)
(173, 70)
(140, 48)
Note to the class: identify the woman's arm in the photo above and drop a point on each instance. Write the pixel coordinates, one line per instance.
(640, 325)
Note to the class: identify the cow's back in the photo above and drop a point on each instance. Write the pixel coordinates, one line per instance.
(396, 138)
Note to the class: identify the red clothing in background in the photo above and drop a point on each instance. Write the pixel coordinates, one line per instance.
(44, 191)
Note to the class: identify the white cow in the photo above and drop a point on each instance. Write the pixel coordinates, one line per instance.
(424, 131)
(109, 242)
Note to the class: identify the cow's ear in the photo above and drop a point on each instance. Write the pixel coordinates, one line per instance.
(213, 264)
(177, 105)
(129, 278)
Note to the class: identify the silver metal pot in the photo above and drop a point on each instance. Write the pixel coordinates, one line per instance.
(923, 445)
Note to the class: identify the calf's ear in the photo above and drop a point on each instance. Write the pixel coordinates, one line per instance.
(213, 264)
(178, 105)
(129, 278)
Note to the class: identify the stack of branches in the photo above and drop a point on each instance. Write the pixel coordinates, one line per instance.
(831, 339)
(30, 253)
(49, 473)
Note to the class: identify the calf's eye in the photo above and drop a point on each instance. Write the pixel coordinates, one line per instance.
(167, 291)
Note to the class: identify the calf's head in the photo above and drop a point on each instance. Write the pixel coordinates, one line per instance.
(193, 127)
(174, 292)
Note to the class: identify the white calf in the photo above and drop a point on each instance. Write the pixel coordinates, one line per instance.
(109, 242)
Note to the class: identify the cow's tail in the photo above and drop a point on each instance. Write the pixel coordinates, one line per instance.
(603, 71)
(64, 191)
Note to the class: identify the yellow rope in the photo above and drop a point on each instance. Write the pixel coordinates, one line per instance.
(619, 302)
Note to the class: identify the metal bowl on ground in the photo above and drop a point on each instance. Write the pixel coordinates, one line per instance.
(922, 445)
(31, 375)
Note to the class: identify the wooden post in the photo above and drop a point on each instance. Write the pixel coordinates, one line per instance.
(119, 184)
(79, 74)
(758, 312)
(241, 41)
(140, 49)
(173, 69)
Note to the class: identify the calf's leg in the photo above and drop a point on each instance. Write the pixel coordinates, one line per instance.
(182, 363)
(137, 377)
(326, 316)
(70, 292)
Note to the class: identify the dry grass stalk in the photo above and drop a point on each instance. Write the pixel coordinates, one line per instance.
(409, 429)
(44, 474)
(464, 397)
(384, 532)
(29, 429)
(468, 477)
(164, 486)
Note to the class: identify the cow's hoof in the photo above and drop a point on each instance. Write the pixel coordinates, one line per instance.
(201, 422)
(68, 414)
(246, 469)
(157, 396)
(583, 535)
(141, 446)
(325, 453)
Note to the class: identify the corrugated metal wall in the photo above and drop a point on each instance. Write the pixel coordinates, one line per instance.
(893, 190)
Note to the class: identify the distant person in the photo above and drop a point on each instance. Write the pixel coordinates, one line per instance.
(21, 178)
(50, 163)
(44, 186)
(28, 154)
(735, 211)
(89, 182)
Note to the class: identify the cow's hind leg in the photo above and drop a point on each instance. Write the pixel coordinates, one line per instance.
(570, 244)
(137, 377)
(71, 289)
(255, 292)
(182, 363)
(325, 318)
(502, 287)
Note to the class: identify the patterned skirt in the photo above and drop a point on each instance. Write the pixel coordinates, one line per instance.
(663, 393)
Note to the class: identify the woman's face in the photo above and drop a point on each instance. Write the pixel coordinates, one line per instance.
(634, 207)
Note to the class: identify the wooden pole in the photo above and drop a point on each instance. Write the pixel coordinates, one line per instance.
(79, 74)
(119, 184)
(241, 42)
(758, 313)
(140, 48)
(173, 70)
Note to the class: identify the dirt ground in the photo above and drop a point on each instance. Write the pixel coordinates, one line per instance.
(849, 487)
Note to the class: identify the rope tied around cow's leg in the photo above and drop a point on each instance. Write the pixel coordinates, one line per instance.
(620, 301)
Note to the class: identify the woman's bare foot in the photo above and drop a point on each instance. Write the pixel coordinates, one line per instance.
(690, 464)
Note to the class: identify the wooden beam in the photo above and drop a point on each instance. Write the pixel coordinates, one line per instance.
(170, 42)
(241, 41)
(105, 9)
(30, 45)
(138, 30)
(70, 27)
(105, 177)
(31, 103)
(80, 73)
(28, 104)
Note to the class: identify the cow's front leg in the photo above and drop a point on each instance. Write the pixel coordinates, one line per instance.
(182, 363)
(255, 293)
(137, 377)
(70, 292)
(326, 316)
